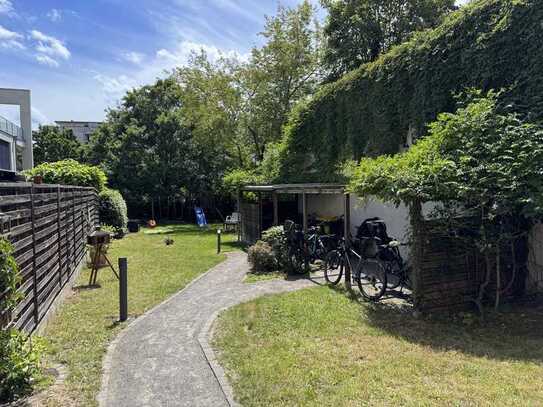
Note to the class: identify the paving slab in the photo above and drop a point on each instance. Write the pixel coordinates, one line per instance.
(163, 358)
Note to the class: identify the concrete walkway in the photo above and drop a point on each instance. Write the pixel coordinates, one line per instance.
(163, 358)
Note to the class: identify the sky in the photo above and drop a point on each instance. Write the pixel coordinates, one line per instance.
(79, 57)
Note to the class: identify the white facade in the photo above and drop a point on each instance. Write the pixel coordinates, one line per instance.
(81, 130)
(16, 141)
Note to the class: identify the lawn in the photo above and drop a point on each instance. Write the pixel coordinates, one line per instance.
(79, 335)
(317, 347)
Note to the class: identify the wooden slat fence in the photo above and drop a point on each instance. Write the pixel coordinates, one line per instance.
(250, 222)
(452, 272)
(47, 225)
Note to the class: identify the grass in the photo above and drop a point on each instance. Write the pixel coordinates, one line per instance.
(257, 277)
(80, 333)
(317, 347)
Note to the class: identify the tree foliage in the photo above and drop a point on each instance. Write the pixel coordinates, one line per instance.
(487, 44)
(148, 150)
(52, 143)
(358, 31)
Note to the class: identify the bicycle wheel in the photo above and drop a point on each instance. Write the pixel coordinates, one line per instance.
(333, 267)
(394, 274)
(372, 279)
(297, 262)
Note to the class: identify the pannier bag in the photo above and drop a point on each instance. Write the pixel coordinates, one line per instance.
(370, 234)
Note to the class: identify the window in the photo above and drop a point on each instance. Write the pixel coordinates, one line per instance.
(5, 155)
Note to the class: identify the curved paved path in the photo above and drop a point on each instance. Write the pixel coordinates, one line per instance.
(159, 360)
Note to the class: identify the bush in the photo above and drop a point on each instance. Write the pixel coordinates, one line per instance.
(275, 237)
(113, 210)
(261, 257)
(9, 276)
(19, 364)
(69, 172)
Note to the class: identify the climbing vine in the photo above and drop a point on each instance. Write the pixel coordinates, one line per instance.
(482, 166)
(488, 44)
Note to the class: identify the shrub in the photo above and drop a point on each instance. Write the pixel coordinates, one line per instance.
(70, 172)
(113, 210)
(19, 364)
(275, 237)
(261, 257)
(9, 276)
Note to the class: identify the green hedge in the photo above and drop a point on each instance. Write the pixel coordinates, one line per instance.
(113, 210)
(489, 44)
(70, 172)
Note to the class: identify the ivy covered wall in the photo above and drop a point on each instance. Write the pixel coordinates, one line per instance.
(490, 44)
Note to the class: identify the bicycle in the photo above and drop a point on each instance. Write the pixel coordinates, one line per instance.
(297, 251)
(318, 245)
(369, 273)
(398, 271)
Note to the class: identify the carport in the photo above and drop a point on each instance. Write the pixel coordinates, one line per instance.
(254, 208)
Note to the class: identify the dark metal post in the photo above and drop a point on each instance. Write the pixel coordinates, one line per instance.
(275, 209)
(123, 289)
(218, 241)
(304, 211)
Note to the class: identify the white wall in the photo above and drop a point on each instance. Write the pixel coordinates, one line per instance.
(21, 97)
(396, 218)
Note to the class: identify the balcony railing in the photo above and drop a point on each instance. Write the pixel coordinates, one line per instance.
(10, 128)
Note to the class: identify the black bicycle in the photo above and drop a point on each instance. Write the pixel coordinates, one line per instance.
(297, 250)
(398, 270)
(369, 273)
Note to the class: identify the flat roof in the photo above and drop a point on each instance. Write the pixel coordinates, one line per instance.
(311, 188)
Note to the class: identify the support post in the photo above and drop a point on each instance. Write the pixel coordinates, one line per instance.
(346, 235)
(260, 215)
(240, 197)
(123, 289)
(304, 211)
(275, 209)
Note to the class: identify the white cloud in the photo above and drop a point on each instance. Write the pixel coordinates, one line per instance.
(182, 53)
(54, 15)
(134, 57)
(39, 118)
(6, 7)
(47, 60)
(165, 60)
(10, 39)
(114, 88)
(49, 45)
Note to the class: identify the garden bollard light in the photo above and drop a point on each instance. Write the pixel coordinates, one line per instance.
(218, 241)
(123, 289)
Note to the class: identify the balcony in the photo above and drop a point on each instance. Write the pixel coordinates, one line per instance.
(11, 129)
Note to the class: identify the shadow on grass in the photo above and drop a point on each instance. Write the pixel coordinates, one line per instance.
(513, 334)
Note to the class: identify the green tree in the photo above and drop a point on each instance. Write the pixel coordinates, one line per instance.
(55, 144)
(286, 69)
(358, 31)
(213, 106)
(149, 152)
